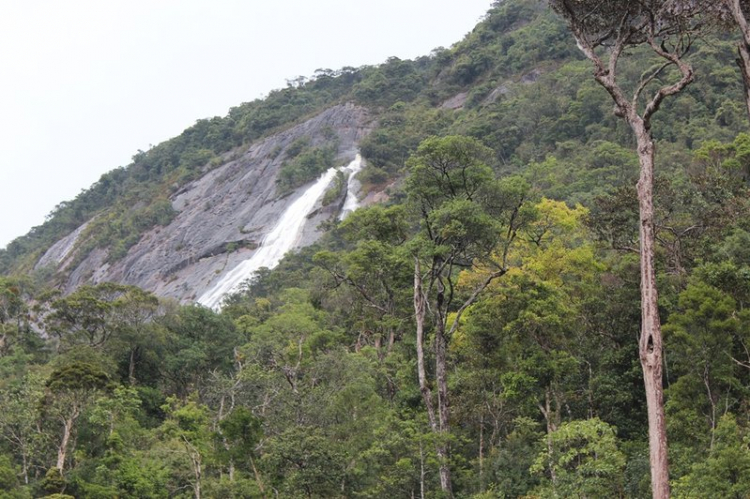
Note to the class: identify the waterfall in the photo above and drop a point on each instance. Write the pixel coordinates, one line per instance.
(352, 187)
(283, 237)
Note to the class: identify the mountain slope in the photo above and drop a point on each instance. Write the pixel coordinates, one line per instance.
(220, 217)
(180, 214)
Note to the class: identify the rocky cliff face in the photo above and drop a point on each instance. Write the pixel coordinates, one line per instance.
(222, 216)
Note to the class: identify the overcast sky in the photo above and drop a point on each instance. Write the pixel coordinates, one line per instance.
(84, 84)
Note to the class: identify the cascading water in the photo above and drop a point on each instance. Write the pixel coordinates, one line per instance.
(352, 187)
(284, 236)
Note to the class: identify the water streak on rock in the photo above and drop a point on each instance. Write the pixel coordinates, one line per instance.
(284, 237)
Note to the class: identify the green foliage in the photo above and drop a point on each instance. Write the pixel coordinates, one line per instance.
(53, 482)
(306, 383)
(305, 463)
(77, 376)
(585, 461)
(335, 191)
(726, 470)
(305, 166)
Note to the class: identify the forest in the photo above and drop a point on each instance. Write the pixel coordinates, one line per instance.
(481, 334)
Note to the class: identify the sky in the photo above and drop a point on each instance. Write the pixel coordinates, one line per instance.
(85, 84)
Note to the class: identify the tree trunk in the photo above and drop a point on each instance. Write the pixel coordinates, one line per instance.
(257, 478)
(743, 62)
(439, 426)
(131, 366)
(443, 423)
(743, 47)
(198, 471)
(63, 449)
(650, 344)
(25, 469)
(481, 453)
(419, 315)
(422, 473)
(546, 411)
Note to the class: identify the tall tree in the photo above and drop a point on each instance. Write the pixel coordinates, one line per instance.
(70, 389)
(604, 31)
(736, 12)
(466, 217)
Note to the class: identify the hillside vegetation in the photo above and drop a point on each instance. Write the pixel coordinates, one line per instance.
(482, 324)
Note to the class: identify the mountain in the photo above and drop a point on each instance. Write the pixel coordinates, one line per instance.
(220, 218)
(188, 211)
(471, 330)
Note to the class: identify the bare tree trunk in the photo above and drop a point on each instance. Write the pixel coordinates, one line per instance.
(198, 471)
(546, 411)
(419, 314)
(25, 469)
(443, 422)
(421, 471)
(650, 344)
(131, 366)
(481, 453)
(743, 62)
(438, 426)
(197, 486)
(257, 478)
(62, 450)
(743, 47)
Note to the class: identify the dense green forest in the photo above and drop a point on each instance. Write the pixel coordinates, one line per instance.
(481, 325)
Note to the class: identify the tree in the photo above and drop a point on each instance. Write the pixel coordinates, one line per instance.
(133, 313)
(13, 312)
(187, 430)
(704, 333)
(70, 389)
(19, 397)
(586, 461)
(735, 12)
(376, 272)
(604, 31)
(466, 217)
(306, 463)
(726, 470)
(85, 316)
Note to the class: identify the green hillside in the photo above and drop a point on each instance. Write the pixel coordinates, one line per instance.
(511, 198)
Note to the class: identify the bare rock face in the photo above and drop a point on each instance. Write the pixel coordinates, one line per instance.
(222, 216)
(455, 102)
(60, 251)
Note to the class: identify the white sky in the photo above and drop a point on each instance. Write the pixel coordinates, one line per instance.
(84, 84)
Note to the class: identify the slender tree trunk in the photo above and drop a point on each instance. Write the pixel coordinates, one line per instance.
(743, 47)
(198, 471)
(421, 471)
(650, 344)
(481, 453)
(546, 411)
(743, 62)
(25, 469)
(443, 449)
(131, 366)
(62, 451)
(439, 426)
(257, 478)
(420, 309)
